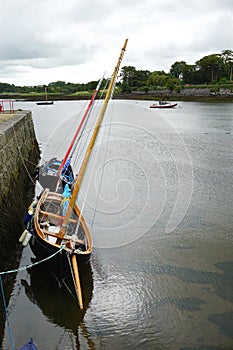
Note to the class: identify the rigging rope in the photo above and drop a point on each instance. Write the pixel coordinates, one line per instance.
(79, 139)
(84, 144)
(101, 178)
(86, 192)
(62, 139)
(86, 116)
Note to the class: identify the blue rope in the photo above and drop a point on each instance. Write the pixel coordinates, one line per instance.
(2, 290)
(7, 319)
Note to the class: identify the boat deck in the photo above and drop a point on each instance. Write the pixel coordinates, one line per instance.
(50, 220)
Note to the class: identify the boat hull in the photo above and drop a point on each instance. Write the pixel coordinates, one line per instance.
(44, 221)
(59, 263)
(57, 302)
(44, 103)
(167, 105)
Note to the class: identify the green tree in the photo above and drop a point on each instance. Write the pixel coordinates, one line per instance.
(227, 56)
(57, 86)
(177, 69)
(188, 73)
(127, 75)
(157, 79)
(4, 87)
(211, 67)
(141, 78)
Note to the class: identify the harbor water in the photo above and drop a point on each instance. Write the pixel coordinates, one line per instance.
(158, 200)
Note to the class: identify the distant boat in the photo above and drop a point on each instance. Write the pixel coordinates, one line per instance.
(46, 102)
(163, 104)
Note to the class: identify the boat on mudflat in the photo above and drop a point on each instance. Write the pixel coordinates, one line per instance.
(163, 104)
(55, 227)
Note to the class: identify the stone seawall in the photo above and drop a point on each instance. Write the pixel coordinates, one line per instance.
(19, 155)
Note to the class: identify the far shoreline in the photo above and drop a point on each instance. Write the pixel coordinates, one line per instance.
(127, 96)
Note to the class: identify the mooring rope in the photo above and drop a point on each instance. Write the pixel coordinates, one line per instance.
(2, 290)
(6, 313)
(24, 268)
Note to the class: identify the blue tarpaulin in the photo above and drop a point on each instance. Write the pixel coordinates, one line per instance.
(29, 346)
(67, 192)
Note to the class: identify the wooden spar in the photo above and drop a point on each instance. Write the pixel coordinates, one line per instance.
(91, 143)
(77, 280)
(80, 125)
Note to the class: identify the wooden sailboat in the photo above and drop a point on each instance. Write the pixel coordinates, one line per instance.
(46, 102)
(57, 228)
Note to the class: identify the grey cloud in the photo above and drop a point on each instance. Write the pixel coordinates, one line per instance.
(50, 34)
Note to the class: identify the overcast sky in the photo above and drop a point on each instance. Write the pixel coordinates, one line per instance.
(43, 41)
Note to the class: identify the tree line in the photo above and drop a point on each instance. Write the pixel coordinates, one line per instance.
(210, 69)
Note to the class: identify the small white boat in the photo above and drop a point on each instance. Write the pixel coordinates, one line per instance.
(163, 104)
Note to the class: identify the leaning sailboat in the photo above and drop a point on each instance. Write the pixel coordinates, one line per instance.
(56, 227)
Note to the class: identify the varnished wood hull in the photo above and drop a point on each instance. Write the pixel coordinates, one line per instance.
(59, 263)
(47, 240)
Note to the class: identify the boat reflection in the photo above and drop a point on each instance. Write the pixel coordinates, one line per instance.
(56, 298)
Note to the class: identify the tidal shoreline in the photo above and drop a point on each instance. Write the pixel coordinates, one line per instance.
(129, 96)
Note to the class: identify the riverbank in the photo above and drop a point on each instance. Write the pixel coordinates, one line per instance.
(210, 97)
(176, 97)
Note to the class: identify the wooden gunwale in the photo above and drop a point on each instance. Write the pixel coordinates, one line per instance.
(56, 216)
(42, 232)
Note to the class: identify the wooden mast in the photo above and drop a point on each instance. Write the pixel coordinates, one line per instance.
(91, 144)
(82, 171)
(46, 95)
